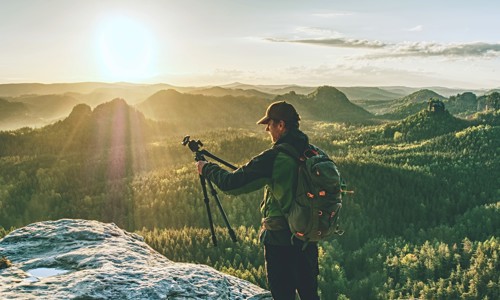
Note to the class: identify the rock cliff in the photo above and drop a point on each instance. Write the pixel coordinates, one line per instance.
(80, 259)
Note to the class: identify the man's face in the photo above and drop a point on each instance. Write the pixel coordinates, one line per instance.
(276, 129)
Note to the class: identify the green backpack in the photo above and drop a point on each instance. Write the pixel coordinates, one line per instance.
(314, 213)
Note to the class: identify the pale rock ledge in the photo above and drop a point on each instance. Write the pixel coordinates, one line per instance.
(81, 259)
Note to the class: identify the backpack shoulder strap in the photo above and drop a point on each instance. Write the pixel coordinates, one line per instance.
(317, 150)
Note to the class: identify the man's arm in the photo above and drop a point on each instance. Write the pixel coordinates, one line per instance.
(252, 176)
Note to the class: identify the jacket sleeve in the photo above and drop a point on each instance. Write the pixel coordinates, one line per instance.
(248, 178)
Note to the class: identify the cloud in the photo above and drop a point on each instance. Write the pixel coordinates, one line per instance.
(326, 37)
(319, 32)
(334, 42)
(424, 49)
(333, 14)
(394, 50)
(417, 28)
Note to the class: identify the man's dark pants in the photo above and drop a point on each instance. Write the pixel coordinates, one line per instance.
(290, 268)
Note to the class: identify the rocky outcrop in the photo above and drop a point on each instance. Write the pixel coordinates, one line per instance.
(80, 259)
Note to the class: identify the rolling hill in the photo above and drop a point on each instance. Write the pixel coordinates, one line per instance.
(217, 91)
(14, 115)
(200, 111)
(10, 109)
(19, 89)
(49, 107)
(272, 89)
(424, 125)
(35, 110)
(423, 222)
(327, 104)
(196, 112)
(215, 107)
(369, 93)
(411, 104)
(110, 125)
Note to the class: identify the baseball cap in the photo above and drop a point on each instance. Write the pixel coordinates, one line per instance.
(280, 110)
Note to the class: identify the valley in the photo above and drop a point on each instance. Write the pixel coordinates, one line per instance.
(423, 220)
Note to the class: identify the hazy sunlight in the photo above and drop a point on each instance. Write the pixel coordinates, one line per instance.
(126, 50)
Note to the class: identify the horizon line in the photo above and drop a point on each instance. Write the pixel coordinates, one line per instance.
(246, 84)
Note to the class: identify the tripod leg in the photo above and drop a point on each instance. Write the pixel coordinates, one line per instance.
(210, 221)
(223, 213)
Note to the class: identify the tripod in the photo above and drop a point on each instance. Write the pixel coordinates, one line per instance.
(194, 146)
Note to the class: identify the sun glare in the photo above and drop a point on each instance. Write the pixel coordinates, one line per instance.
(126, 50)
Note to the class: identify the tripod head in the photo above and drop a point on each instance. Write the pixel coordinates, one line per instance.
(194, 146)
(201, 153)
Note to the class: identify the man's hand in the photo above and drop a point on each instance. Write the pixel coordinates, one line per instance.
(200, 164)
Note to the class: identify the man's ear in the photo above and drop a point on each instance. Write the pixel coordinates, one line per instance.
(282, 124)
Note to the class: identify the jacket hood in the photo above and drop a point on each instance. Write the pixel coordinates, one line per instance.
(296, 138)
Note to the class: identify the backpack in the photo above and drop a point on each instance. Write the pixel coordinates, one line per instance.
(314, 213)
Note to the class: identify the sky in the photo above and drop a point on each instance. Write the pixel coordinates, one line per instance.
(421, 43)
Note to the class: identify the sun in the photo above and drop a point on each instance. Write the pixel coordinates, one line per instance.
(126, 50)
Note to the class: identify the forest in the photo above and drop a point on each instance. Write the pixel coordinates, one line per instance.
(423, 222)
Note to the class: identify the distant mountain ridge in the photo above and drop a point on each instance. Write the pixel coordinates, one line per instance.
(14, 115)
(327, 103)
(114, 124)
(50, 107)
(275, 89)
(197, 111)
(369, 93)
(47, 103)
(12, 109)
(422, 96)
(19, 89)
(353, 93)
(324, 104)
(221, 92)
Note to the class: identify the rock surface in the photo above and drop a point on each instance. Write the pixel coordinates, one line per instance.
(80, 259)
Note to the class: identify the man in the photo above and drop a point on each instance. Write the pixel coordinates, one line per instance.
(290, 268)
